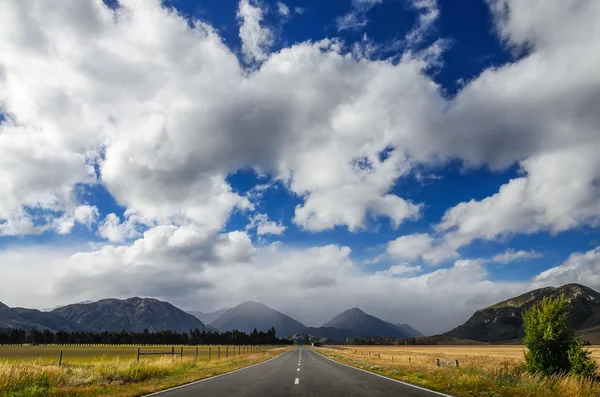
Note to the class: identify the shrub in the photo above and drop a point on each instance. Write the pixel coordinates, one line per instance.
(552, 346)
(581, 360)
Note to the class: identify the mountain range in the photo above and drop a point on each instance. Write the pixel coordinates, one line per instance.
(137, 314)
(499, 323)
(351, 324)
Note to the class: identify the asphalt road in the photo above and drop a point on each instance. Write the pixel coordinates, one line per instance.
(299, 372)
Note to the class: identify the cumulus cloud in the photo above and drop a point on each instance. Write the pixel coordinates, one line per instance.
(415, 246)
(159, 111)
(264, 226)
(144, 106)
(580, 267)
(84, 215)
(509, 256)
(112, 229)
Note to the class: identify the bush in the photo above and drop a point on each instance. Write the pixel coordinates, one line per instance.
(581, 360)
(552, 346)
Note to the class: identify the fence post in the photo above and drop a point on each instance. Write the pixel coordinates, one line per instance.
(219, 352)
(379, 356)
(172, 351)
(226, 351)
(437, 362)
(392, 358)
(60, 358)
(196, 352)
(456, 363)
(409, 360)
(181, 352)
(208, 353)
(138, 356)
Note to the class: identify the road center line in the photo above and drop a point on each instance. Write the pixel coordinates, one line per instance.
(297, 381)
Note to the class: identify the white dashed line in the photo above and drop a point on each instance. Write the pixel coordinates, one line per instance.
(297, 381)
(298, 369)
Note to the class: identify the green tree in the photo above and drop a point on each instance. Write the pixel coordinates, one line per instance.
(551, 343)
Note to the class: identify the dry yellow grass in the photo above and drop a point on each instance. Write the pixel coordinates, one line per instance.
(483, 370)
(122, 378)
(48, 354)
(482, 356)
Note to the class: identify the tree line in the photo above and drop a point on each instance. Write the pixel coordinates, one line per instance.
(385, 340)
(193, 337)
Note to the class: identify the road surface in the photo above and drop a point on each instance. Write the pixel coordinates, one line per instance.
(299, 372)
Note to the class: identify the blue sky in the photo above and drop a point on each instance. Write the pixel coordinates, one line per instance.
(444, 147)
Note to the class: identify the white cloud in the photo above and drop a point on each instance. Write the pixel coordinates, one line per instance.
(400, 270)
(84, 215)
(144, 105)
(428, 13)
(357, 17)
(112, 229)
(414, 246)
(166, 112)
(582, 268)
(183, 266)
(283, 9)
(299, 10)
(558, 193)
(509, 256)
(264, 226)
(256, 39)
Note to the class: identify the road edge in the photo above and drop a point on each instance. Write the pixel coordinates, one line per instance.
(214, 376)
(383, 376)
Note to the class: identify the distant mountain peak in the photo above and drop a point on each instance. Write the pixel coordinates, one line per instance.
(365, 324)
(250, 315)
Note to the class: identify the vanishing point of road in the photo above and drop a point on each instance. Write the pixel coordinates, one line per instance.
(299, 372)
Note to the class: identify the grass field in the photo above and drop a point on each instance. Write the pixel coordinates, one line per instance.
(469, 355)
(32, 371)
(483, 370)
(87, 354)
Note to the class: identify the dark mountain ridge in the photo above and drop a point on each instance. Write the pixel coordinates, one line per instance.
(10, 319)
(504, 320)
(49, 320)
(133, 314)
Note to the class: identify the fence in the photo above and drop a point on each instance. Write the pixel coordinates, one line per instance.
(172, 353)
(438, 363)
(198, 352)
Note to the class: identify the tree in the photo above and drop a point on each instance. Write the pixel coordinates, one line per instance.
(551, 343)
